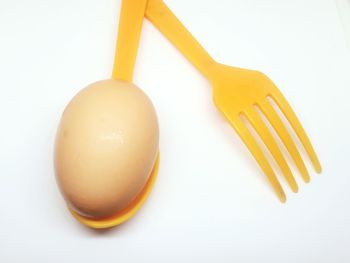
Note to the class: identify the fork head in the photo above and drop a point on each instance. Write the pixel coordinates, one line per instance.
(242, 94)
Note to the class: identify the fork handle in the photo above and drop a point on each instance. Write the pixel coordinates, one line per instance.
(170, 26)
(130, 25)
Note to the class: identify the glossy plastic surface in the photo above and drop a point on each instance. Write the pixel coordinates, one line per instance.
(129, 32)
(242, 96)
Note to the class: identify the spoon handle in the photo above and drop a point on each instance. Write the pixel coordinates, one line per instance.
(168, 24)
(130, 25)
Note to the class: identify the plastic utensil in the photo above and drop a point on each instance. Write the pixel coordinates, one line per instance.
(238, 93)
(130, 25)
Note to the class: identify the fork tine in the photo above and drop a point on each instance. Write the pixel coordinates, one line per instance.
(260, 127)
(287, 110)
(259, 156)
(282, 132)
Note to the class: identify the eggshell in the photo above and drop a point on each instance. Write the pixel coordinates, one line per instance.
(106, 146)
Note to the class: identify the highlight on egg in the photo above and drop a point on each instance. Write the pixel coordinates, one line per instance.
(106, 146)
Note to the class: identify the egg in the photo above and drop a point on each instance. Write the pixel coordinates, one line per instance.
(106, 147)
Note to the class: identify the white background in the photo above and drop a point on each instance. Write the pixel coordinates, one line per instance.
(211, 203)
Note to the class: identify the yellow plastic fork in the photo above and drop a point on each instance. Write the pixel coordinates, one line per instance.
(237, 93)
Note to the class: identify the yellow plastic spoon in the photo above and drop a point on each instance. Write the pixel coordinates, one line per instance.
(130, 25)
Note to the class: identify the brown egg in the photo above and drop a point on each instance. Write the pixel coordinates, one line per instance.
(106, 146)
